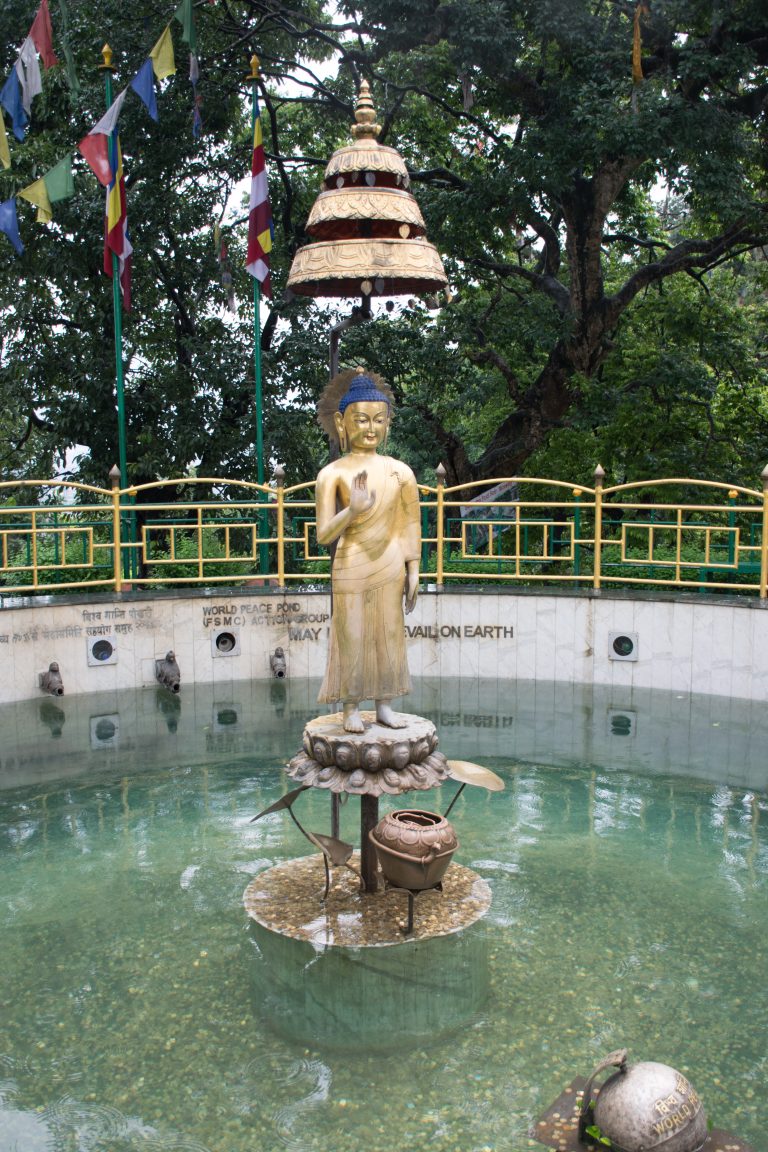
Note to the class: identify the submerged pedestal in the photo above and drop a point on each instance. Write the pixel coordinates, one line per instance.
(326, 974)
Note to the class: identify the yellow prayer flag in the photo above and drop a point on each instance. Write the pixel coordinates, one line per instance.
(163, 60)
(37, 194)
(5, 155)
(641, 9)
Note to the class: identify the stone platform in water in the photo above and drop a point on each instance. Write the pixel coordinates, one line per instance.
(286, 899)
(321, 977)
(381, 760)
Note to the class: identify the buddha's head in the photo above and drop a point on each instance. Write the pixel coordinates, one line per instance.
(362, 418)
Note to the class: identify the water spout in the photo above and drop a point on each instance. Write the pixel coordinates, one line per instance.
(167, 672)
(50, 681)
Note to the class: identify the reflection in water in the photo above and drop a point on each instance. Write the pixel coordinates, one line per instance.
(169, 707)
(53, 717)
(630, 907)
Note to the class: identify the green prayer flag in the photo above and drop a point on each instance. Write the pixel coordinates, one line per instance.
(74, 83)
(59, 182)
(184, 16)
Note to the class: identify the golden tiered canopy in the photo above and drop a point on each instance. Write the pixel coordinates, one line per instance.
(369, 234)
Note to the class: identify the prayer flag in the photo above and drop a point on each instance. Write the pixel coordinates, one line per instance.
(95, 146)
(260, 214)
(28, 71)
(143, 85)
(59, 183)
(9, 223)
(197, 119)
(10, 98)
(108, 122)
(42, 35)
(37, 194)
(116, 227)
(5, 154)
(74, 83)
(185, 17)
(641, 9)
(163, 60)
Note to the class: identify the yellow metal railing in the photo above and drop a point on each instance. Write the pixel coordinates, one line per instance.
(57, 536)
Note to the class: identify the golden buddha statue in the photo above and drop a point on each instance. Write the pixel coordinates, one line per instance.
(369, 504)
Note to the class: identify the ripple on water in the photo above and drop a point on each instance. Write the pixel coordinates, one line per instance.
(627, 910)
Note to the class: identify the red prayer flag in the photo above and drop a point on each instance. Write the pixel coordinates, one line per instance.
(95, 148)
(116, 228)
(42, 35)
(260, 215)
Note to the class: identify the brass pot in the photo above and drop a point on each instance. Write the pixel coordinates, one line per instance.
(414, 848)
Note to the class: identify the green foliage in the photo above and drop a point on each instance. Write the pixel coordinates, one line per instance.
(62, 554)
(177, 560)
(602, 240)
(684, 393)
(594, 1133)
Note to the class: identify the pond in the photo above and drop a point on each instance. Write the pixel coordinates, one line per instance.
(628, 862)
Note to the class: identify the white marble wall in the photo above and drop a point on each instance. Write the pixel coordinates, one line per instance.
(697, 645)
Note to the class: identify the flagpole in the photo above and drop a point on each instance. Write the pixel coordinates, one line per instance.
(108, 68)
(263, 551)
(117, 308)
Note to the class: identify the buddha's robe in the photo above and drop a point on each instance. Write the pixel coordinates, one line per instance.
(367, 656)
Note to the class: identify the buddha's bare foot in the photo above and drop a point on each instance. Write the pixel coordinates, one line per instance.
(387, 717)
(353, 721)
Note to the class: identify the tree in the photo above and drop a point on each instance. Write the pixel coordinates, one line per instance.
(541, 165)
(556, 188)
(561, 193)
(189, 362)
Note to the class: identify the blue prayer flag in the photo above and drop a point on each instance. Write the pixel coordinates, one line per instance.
(9, 223)
(143, 85)
(197, 120)
(11, 100)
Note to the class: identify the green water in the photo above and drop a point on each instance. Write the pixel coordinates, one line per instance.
(630, 908)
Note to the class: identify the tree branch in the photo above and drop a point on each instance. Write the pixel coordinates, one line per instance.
(550, 286)
(683, 257)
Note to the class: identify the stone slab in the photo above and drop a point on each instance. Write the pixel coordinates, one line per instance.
(558, 1128)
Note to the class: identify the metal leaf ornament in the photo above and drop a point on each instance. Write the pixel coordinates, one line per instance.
(474, 774)
(469, 773)
(284, 802)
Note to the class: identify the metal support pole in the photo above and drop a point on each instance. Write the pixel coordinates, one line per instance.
(357, 316)
(117, 568)
(108, 68)
(117, 308)
(599, 477)
(764, 538)
(369, 818)
(577, 533)
(440, 528)
(279, 475)
(262, 517)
